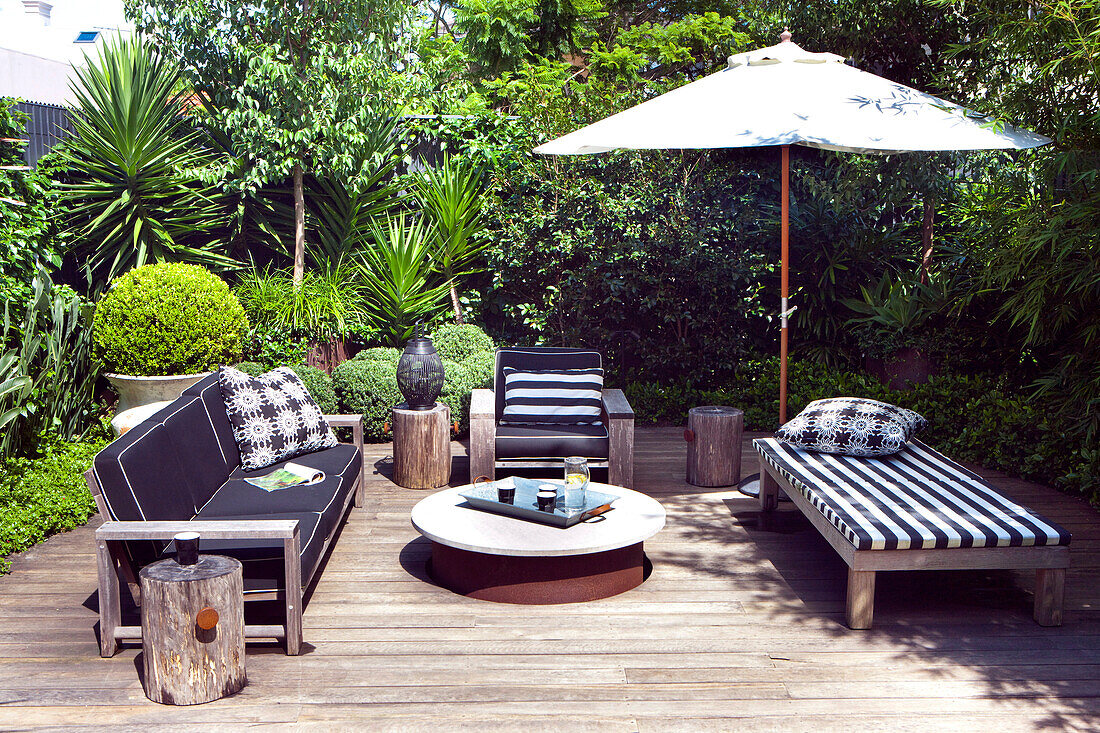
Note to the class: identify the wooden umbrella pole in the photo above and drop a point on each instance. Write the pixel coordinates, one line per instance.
(784, 253)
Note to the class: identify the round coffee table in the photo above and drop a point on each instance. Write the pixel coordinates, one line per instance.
(495, 557)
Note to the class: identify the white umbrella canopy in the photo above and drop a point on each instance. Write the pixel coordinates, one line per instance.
(783, 95)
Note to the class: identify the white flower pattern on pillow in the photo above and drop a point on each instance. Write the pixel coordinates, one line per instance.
(852, 426)
(273, 416)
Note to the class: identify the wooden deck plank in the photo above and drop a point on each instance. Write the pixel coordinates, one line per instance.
(740, 625)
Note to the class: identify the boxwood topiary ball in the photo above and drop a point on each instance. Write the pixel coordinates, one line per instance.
(167, 319)
(459, 342)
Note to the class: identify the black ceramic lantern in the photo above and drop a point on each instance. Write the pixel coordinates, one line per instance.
(420, 373)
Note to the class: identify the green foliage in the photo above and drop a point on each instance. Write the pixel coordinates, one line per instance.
(323, 305)
(400, 284)
(460, 342)
(367, 384)
(44, 495)
(47, 371)
(319, 385)
(134, 196)
(167, 319)
(27, 234)
(273, 347)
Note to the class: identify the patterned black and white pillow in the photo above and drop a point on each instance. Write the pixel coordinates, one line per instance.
(852, 426)
(563, 396)
(273, 416)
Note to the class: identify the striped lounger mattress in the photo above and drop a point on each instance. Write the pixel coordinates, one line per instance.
(911, 501)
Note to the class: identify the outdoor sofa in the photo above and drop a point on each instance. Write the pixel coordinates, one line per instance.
(913, 510)
(180, 471)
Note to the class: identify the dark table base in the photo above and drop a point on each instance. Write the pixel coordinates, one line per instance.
(538, 580)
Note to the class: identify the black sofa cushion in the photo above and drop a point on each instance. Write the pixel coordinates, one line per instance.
(563, 396)
(557, 441)
(141, 474)
(341, 465)
(263, 559)
(273, 416)
(539, 357)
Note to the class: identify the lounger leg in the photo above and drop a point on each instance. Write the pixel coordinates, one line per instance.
(860, 608)
(110, 609)
(293, 569)
(769, 491)
(1050, 586)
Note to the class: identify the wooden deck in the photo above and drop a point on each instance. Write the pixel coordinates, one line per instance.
(740, 627)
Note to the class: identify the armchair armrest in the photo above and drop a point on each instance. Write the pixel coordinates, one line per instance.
(355, 422)
(483, 434)
(483, 404)
(615, 405)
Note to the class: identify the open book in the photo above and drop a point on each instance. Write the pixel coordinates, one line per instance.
(292, 474)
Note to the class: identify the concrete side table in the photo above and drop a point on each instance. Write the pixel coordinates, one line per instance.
(713, 436)
(422, 446)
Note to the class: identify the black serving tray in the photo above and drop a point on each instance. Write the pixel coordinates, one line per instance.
(484, 496)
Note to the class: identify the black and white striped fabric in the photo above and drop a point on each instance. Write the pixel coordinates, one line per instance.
(915, 499)
(563, 396)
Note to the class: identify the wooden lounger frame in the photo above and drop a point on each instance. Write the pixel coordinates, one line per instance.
(1049, 562)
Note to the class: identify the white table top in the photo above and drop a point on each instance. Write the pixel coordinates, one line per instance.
(445, 518)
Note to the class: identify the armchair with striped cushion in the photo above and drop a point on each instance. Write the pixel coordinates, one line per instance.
(548, 403)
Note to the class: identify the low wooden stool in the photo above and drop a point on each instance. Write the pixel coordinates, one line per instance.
(422, 446)
(192, 626)
(713, 436)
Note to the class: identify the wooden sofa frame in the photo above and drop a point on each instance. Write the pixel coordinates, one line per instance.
(1049, 562)
(616, 413)
(114, 563)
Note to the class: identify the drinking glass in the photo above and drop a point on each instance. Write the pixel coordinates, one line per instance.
(576, 481)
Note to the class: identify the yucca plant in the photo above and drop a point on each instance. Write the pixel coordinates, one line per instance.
(451, 200)
(400, 284)
(133, 196)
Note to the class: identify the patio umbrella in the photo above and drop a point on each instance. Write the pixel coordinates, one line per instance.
(782, 95)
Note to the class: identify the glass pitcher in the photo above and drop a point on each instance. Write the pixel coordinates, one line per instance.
(576, 481)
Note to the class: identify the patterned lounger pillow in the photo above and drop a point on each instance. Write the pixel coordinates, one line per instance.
(564, 396)
(273, 416)
(852, 426)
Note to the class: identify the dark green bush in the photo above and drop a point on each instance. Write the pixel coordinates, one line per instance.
(42, 496)
(252, 368)
(319, 385)
(367, 384)
(166, 319)
(459, 342)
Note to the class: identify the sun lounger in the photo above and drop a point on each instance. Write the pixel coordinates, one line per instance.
(914, 510)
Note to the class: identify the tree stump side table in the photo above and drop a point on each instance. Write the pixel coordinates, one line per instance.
(713, 436)
(422, 446)
(192, 629)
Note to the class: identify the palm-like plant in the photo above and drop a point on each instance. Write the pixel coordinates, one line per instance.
(400, 285)
(132, 199)
(451, 200)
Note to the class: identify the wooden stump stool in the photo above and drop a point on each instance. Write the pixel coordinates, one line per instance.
(192, 626)
(713, 436)
(422, 446)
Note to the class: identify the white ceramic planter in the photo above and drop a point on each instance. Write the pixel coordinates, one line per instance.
(138, 391)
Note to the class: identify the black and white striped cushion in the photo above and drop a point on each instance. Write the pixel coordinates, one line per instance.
(566, 396)
(915, 499)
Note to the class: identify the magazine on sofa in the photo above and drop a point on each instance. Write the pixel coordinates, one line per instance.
(292, 474)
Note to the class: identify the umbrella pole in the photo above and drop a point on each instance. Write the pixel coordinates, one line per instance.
(784, 253)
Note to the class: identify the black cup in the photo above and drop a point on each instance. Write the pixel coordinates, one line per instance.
(506, 496)
(546, 500)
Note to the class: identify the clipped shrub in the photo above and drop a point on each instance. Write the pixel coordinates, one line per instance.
(460, 342)
(319, 385)
(368, 386)
(166, 319)
(252, 368)
(384, 354)
(42, 496)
